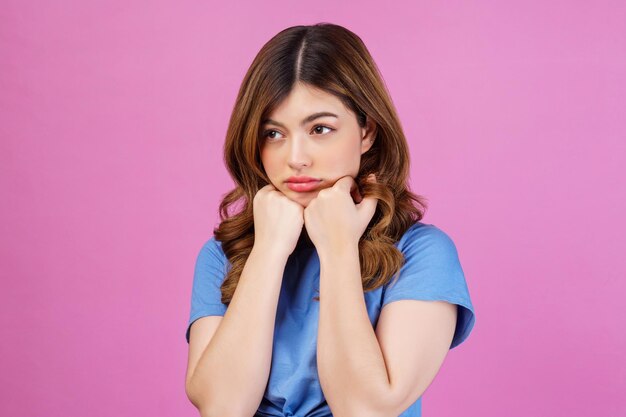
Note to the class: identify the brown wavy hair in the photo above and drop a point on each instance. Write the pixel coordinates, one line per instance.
(331, 58)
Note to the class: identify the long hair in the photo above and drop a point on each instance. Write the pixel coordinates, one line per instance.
(333, 59)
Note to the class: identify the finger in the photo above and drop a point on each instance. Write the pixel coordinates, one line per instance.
(366, 208)
(356, 194)
(345, 183)
(269, 186)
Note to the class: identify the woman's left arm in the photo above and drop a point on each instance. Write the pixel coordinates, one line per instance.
(364, 372)
(375, 373)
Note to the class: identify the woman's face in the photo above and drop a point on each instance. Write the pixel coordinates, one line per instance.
(311, 134)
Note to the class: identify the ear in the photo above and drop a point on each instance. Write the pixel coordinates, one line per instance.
(368, 135)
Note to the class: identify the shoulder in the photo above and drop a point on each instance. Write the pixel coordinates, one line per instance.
(212, 245)
(211, 251)
(431, 260)
(426, 238)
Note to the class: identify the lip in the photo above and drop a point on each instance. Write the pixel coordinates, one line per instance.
(301, 179)
(303, 187)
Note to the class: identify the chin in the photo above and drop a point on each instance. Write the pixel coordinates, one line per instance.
(304, 199)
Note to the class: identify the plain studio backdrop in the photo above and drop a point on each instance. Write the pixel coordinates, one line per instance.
(112, 120)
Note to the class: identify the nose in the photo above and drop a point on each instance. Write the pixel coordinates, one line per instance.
(299, 154)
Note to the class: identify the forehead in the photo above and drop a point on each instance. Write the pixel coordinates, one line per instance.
(304, 99)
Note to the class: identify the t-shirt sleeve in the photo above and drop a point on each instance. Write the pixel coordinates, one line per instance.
(209, 273)
(432, 271)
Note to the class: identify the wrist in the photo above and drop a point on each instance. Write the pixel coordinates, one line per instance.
(339, 252)
(269, 252)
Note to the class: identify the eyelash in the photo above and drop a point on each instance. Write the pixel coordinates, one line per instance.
(314, 127)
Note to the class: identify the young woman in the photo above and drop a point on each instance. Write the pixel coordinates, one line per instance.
(321, 293)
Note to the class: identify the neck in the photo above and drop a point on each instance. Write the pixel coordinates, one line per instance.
(304, 239)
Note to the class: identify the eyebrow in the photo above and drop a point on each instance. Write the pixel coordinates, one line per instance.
(305, 121)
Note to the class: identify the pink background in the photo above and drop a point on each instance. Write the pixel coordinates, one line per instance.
(112, 120)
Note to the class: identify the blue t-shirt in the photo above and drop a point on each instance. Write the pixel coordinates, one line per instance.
(431, 271)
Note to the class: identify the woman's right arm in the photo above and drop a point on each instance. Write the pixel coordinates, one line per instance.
(228, 371)
(227, 375)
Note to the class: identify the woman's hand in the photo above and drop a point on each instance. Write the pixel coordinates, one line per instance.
(278, 220)
(333, 220)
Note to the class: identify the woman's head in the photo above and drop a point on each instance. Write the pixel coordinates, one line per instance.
(311, 134)
(301, 71)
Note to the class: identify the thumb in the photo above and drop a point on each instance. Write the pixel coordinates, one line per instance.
(366, 209)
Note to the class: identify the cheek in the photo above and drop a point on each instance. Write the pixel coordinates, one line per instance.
(344, 158)
(269, 162)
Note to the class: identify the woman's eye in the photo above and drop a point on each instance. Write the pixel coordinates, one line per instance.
(319, 129)
(270, 134)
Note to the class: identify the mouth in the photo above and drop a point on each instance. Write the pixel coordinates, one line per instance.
(303, 187)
